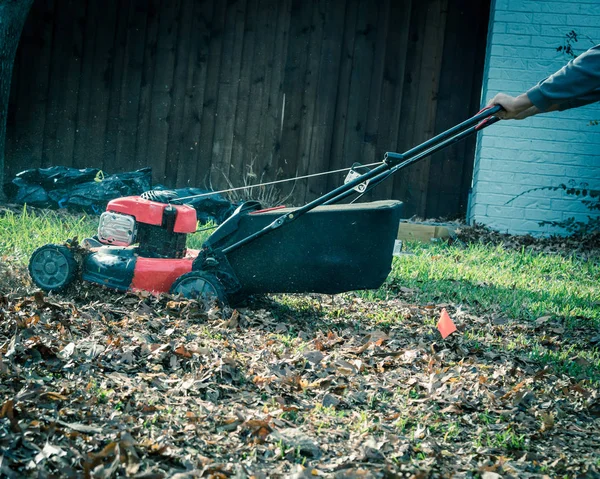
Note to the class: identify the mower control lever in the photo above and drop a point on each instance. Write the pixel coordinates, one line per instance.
(353, 174)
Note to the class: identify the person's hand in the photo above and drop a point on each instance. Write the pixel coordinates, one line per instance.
(515, 108)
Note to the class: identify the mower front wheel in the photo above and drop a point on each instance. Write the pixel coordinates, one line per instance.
(52, 267)
(199, 285)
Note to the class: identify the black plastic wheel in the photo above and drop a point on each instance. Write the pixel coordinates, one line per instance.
(201, 286)
(52, 267)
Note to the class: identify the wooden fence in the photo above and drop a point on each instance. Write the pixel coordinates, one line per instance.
(217, 93)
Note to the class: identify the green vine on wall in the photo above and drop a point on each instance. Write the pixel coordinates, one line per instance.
(588, 196)
(567, 47)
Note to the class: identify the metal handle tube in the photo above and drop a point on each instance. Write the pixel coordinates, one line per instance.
(440, 146)
(473, 121)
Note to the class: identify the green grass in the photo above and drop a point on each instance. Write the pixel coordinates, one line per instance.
(515, 284)
(22, 233)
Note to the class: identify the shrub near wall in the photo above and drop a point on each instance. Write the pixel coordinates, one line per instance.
(544, 151)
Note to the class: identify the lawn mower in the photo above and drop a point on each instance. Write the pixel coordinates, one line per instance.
(322, 247)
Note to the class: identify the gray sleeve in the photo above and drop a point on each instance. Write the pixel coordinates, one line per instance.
(575, 84)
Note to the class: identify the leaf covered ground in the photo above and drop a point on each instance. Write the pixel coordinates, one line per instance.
(99, 384)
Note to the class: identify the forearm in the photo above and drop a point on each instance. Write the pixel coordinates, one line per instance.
(521, 104)
(534, 110)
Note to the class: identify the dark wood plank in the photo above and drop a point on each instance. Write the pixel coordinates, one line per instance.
(67, 128)
(256, 157)
(241, 163)
(338, 159)
(477, 11)
(180, 78)
(131, 84)
(293, 84)
(392, 85)
(12, 144)
(360, 82)
(308, 132)
(209, 110)
(451, 170)
(118, 74)
(329, 71)
(409, 131)
(30, 90)
(459, 60)
(60, 125)
(190, 171)
(162, 88)
(83, 132)
(229, 82)
(370, 152)
(449, 98)
(428, 90)
(142, 155)
(103, 64)
(273, 109)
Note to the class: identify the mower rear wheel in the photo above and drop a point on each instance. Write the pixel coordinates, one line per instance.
(199, 285)
(52, 267)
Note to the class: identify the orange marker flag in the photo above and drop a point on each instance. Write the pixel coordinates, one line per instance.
(445, 325)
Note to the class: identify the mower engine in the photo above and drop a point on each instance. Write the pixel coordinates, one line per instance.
(117, 229)
(159, 229)
(141, 245)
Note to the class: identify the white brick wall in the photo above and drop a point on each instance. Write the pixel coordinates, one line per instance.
(545, 150)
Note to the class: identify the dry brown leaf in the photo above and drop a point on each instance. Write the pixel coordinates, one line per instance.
(183, 352)
(547, 421)
(53, 396)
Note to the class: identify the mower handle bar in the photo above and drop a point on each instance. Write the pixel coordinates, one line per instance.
(438, 143)
(392, 162)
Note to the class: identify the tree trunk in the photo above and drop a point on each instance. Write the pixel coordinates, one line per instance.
(12, 18)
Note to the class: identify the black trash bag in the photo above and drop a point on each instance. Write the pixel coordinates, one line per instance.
(33, 195)
(86, 189)
(57, 177)
(134, 182)
(93, 196)
(212, 208)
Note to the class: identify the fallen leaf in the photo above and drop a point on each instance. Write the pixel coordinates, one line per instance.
(490, 475)
(183, 352)
(542, 320)
(314, 357)
(547, 421)
(48, 451)
(329, 400)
